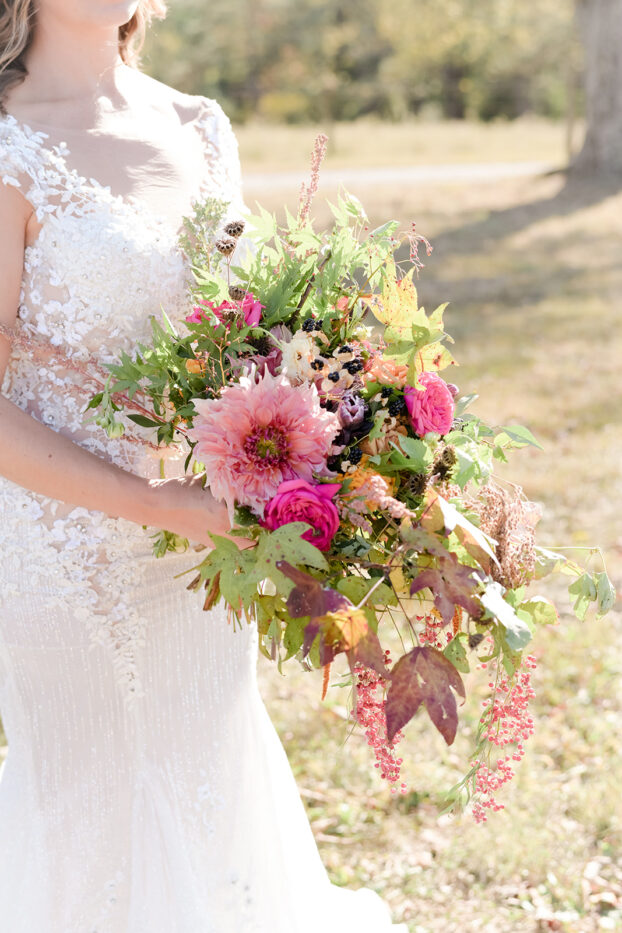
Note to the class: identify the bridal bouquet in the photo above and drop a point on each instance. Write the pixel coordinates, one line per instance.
(306, 387)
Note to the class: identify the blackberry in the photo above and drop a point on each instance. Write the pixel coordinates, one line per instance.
(308, 325)
(334, 377)
(317, 364)
(345, 349)
(355, 456)
(317, 325)
(353, 367)
(362, 429)
(396, 406)
(386, 391)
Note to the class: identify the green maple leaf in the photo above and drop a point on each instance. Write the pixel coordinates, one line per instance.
(231, 566)
(285, 544)
(517, 632)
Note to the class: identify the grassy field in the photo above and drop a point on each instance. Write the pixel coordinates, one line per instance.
(533, 273)
(367, 142)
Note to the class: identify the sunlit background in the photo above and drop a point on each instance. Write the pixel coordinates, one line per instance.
(464, 116)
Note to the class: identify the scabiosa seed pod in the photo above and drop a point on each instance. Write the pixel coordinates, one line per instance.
(237, 292)
(444, 462)
(417, 483)
(225, 245)
(475, 638)
(448, 457)
(263, 345)
(234, 228)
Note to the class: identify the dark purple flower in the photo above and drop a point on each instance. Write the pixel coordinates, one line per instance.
(351, 410)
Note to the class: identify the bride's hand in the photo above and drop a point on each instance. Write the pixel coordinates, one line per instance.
(186, 508)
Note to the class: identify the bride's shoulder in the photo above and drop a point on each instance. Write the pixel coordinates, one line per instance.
(189, 108)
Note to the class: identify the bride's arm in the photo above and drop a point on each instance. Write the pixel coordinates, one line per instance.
(38, 458)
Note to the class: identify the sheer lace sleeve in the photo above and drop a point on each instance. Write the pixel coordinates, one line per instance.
(20, 164)
(223, 168)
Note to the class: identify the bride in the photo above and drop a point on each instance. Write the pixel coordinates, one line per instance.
(145, 788)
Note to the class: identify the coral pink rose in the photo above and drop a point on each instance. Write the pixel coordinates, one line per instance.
(297, 500)
(432, 407)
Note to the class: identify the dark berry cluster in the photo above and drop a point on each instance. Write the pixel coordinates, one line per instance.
(386, 391)
(353, 367)
(355, 456)
(396, 406)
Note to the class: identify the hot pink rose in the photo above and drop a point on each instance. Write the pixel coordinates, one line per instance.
(432, 407)
(297, 500)
(252, 310)
(250, 307)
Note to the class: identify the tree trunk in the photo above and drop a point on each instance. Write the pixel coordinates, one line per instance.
(600, 27)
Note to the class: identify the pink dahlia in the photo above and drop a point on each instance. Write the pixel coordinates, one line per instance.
(432, 407)
(259, 433)
(297, 500)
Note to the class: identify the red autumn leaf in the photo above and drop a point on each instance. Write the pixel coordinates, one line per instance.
(309, 597)
(452, 584)
(424, 675)
(347, 631)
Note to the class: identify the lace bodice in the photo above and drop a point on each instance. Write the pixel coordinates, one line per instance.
(102, 264)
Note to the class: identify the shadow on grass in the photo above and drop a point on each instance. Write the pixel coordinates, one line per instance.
(574, 196)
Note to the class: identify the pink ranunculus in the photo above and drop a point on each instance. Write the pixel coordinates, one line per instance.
(251, 309)
(432, 407)
(297, 500)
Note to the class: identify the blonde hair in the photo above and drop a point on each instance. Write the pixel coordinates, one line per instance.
(17, 26)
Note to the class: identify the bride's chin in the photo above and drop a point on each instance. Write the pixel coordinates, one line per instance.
(101, 13)
(112, 12)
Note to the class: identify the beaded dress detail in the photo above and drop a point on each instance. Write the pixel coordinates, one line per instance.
(145, 788)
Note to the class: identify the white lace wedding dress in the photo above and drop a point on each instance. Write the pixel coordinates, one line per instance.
(145, 788)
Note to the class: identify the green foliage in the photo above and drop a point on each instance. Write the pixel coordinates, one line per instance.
(324, 60)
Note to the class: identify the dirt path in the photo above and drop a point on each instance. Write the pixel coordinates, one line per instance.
(399, 175)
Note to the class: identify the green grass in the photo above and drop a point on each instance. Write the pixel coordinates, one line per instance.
(535, 282)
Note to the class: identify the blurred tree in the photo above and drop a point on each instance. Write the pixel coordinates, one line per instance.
(600, 26)
(326, 60)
